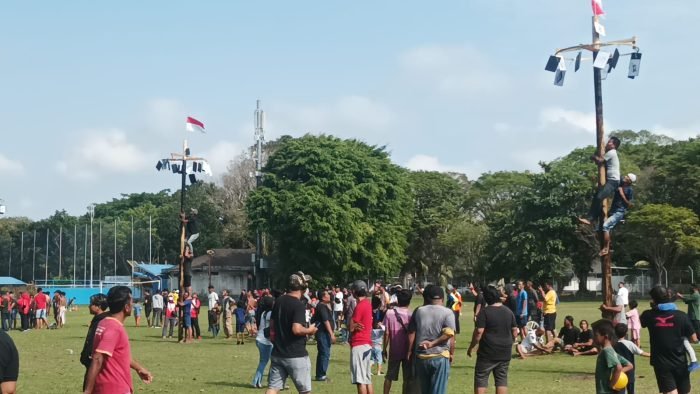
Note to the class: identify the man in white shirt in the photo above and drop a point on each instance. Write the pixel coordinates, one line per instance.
(530, 346)
(212, 297)
(612, 180)
(622, 295)
(338, 306)
(157, 302)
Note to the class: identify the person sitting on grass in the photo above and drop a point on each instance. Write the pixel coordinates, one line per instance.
(609, 365)
(628, 350)
(567, 336)
(530, 346)
(584, 345)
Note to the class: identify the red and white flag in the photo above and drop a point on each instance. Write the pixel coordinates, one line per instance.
(597, 7)
(192, 124)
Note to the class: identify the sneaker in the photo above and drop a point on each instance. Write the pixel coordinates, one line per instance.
(321, 379)
(694, 366)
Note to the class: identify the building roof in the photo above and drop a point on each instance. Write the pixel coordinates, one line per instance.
(223, 260)
(10, 281)
(155, 269)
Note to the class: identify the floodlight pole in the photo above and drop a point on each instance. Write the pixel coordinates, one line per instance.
(606, 262)
(259, 139)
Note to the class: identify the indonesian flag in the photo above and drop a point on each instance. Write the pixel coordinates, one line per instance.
(192, 124)
(597, 7)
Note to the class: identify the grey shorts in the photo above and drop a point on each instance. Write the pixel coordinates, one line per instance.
(299, 369)
(484, 368)
(361, 364)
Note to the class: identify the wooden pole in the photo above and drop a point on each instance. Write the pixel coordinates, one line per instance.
(606, 262)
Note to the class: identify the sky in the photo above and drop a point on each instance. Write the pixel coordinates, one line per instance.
(95, 93)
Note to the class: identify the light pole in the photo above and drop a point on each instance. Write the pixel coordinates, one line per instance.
(259, 117)
(91, 211)
(604, 62)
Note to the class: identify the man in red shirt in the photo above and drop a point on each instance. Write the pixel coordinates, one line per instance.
(111, 358)
(360, 341)
(41, 302)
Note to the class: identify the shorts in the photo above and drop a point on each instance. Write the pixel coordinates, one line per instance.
(299, 369)
(673, 379)
(613, 219)
(41, 314)
(392, 370)
(484, 368)
(188, 321)
(240, 327)
(521, 321)
(361, 364)
(188, 280)
(550, 321)
(377, 355)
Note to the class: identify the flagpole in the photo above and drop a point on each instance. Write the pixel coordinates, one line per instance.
(46, 263)
(21, 258)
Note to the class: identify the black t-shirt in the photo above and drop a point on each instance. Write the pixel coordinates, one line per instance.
(192, 226)
(323, 314)
(479, 301)
(666, 332)
(9, 359)
(569, 335)
(618, 204)
(585, 336)
(497, 341)
(147, 302)
(287, 311)
(86, 354)
(531, 300)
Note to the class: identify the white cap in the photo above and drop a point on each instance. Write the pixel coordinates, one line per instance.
(632, 177)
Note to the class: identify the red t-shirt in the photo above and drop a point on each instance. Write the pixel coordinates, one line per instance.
(196, 303)
(41, 300)
(111, 340)
(362, 315)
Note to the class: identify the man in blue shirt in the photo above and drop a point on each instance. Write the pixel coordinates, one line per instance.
(521, 314)
(622, 201)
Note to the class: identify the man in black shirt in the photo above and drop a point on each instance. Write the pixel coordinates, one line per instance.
(323, 320)
(479, 302)
(9, 364)
(98, 308)
(288, 333)
(567, 335)
(494, 332)
(667, 328)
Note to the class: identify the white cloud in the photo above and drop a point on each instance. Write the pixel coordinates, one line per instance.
(347, 116)
(557, 116)
(423, 162)
(100, 152)
(220, 155)
(453, 69)
(9, 166)
(681, 133)
(165, 116)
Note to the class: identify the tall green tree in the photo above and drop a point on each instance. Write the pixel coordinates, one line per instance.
(335, 208)
(663, 233)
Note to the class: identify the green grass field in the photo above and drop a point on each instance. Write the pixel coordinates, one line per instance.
(49, 362)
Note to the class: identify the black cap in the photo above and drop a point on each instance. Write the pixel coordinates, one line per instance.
(433, 292)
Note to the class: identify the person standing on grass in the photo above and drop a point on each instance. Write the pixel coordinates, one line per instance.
(24, 305)
(157, 309)
(479, 302)
(147, 306)
(261, 340)
(494, 333)
(521, 309)
(337, 307)
(98, 309)
(549, 309)
(288, 334)
(628, 350)
(5, 310)
(431, 338)
(9, 364)
(196, 305)
(693, 302)
(187, 317)
(325, 336)
(41, 302)
(227, 305)
(668, 328)
(361, 339)
(13, 310)
(609, 365)
(110, 369)
(170, 320)
(454, 302)
(396, 338)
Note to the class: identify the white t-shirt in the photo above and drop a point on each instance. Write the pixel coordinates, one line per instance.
(264, 323)
(622, 296)
(213, 299)
(612, 165)
(634, 349)
(338, 303)
(529, 341)
(157, 301)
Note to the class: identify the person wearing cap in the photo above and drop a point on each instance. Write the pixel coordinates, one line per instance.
(612, 179)
(288, 333)
(360, 329)
(622, 201)
(431, 338)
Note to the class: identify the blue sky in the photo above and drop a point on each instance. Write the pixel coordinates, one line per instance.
(96, 92)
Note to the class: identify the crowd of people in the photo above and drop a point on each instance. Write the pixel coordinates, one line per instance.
(34, 310)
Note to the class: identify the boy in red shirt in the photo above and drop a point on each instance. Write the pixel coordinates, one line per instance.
(41, 303)
(361, 341)
(111, 359)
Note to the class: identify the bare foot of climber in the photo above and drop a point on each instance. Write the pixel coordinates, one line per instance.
(584, 221)
(603, 252)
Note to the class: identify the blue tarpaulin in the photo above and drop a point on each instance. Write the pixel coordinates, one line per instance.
(10, 281)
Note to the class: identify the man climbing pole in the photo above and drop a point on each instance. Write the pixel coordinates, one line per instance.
(612, 180)
(622, 201)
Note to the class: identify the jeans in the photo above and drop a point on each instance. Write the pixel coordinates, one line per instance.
(5, 321)
(432, 374)
(613, 219)
(265, 352)
(157, 316)
(214, 328)
(13, 318)
(169, 323)
(608, 190)
(323, 358)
